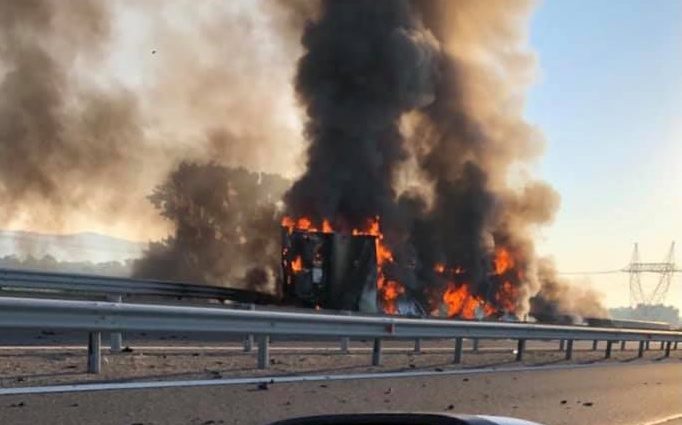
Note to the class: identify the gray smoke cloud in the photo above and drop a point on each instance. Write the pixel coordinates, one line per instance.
(59, 141)
(98, 96)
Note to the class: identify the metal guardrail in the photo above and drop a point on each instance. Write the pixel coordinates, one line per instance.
(75, 283)
(95, 316)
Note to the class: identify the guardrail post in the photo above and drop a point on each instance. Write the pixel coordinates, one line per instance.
(668, 345)
(115, 338)
(562, 344)
(475, 343)
(607, 354)
(417, 345)
(459, 345)
(345, 341)
(263, 351)
(376, 352)
(622, 345)
(662, 346)
(94, 352)
(647, 345)
(595, 345)
(640, 351)
(676, 344)
(569, 349)
(248, 341)
(520, 346)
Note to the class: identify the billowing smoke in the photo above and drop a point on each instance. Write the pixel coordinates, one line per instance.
(225, 227)
(558, 298)
(99, 100)
(62, 144)
(433, 90)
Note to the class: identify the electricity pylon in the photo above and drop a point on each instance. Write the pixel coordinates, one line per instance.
(666, 269)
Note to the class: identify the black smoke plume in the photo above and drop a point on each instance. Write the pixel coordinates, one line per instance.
(434, 88)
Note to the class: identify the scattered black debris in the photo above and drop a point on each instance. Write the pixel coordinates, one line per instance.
(515, 407)
(438, 369)
(47, 332)
(323, 385)
(20, 379)
(195, 354)
(423, 385)
(288, 403)
(127, 349)
(70, 366)
(564, 401)
(465, 380)
(450, 407)
(209, 422)
(588, 404)
(153, 53)
(388, 391)
(387, 400)
(74, 405)
(20, 404)
(412, 366)
(263, 386)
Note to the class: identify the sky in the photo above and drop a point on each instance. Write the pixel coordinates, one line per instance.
(608, 100)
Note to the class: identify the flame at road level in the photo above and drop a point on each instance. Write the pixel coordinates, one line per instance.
(460, 302)
(456, 297)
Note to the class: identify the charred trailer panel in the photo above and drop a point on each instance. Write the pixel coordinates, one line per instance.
(329, 270)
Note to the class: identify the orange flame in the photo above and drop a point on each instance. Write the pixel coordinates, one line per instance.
(297, 265)
(503, 260)
(460, 302)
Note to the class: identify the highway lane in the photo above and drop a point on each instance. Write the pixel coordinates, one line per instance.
(635, 393)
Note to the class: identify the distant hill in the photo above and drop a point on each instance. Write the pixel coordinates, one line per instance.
(77, 247)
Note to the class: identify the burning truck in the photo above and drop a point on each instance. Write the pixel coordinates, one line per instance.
(327, 269)
(323, 268)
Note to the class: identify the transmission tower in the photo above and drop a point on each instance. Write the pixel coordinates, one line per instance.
(666, 269)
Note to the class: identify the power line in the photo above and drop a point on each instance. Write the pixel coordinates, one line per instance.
(592, 272)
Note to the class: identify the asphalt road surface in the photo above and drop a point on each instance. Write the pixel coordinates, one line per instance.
(635, 393)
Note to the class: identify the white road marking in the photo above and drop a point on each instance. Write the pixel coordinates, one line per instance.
(108, 386)
(663, 420)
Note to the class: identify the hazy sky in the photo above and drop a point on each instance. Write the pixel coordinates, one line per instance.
(608, 100)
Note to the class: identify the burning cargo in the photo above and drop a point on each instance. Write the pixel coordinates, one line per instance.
(330, 270)
(343, 271)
